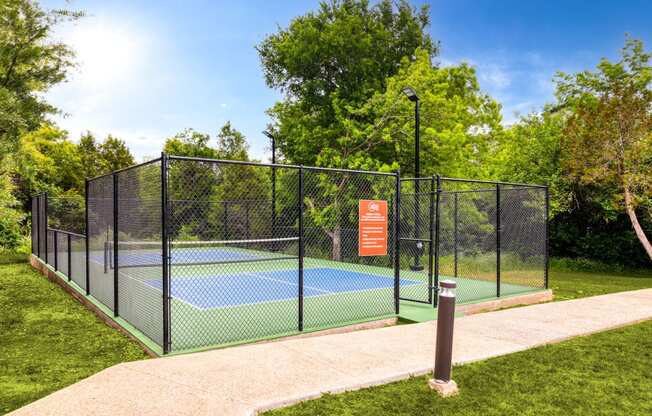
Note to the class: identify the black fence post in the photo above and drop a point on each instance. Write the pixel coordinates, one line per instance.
(116, 250)
(397, 243)
(455, 216)
(273, 196)
(547, 237)
(45, 217)
(56, 251)
(498, 232)
(301, 247)
(86, 243)
(431, 237)
(165, 254)
(38, 226)
(69, 259)
(31, 206)
(437, 232)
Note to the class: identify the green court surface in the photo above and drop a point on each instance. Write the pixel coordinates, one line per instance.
(219, 304)
(223, 304)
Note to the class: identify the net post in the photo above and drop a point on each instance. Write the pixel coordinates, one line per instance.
(397, 230)
(455, 235)
(301, 246)
(116, 250)
(55, 251)
(86, 243)
(69, 260)
(547, 237)
(165, 253)
(437, 227)
(45, 215)
(498, 232)
(431, 237)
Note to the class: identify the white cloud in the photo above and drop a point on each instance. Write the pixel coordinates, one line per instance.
(495, 75)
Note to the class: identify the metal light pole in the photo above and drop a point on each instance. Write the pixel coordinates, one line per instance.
(412, 96)
(273, 139)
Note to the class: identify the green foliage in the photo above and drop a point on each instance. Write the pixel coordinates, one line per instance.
(530, 152)
(575, 148)
(30, 63)
(190, 143)
(100, 158)
(11, 217)
(459, 123)
(47, 160)
(231, 144)
(198, 191)
(608, 139)
(114, 154)
(335, 57)
(49, 340)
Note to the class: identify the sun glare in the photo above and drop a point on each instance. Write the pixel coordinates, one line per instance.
(106, 53)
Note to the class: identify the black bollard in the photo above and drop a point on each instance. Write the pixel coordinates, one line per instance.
(444, 348)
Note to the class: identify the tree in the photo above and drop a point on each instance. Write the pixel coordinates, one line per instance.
(608, 140)
(115, 154)
(459, 123)
(47, 161)
(190, 143)
(30, 63)
(231, 144)
(200, 191)
(90, 155)
(340, 55)
(11, 234)
(530, 152)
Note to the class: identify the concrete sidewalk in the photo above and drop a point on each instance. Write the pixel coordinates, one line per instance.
(247, 379)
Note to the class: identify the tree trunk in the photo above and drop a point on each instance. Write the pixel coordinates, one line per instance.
(336, 236)
(629, 207)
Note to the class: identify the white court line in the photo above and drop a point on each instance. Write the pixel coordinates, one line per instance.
(324, 292)
(287, 283)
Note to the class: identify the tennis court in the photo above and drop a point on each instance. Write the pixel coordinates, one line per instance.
(218, 291)
(190, 253)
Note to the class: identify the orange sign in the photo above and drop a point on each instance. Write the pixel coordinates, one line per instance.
(372, 228)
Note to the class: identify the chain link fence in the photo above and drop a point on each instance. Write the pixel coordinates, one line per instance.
(492, 237)
(192, 252)
(416, 238)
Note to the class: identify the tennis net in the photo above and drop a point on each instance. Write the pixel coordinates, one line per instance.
(150, 253)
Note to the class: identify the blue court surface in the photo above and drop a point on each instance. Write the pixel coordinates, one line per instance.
(251, 288)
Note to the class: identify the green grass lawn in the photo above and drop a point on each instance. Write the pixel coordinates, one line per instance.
(603, 374)
(568, 284)
(48, 340)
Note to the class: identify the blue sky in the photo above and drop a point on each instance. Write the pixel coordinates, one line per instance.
(149, 69)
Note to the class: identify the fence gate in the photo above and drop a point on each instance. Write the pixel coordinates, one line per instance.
(418, 212)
